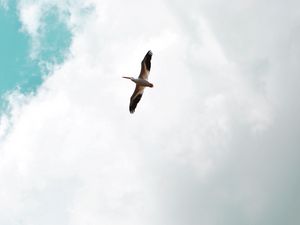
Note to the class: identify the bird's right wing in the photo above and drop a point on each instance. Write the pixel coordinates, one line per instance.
(135, 98)
(146, 66)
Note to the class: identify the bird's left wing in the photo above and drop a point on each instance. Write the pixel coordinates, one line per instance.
(146, 66)
(135, 98)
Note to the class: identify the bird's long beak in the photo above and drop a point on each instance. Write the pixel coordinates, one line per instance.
(126, 77)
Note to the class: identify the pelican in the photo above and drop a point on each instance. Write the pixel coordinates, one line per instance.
(141, 82)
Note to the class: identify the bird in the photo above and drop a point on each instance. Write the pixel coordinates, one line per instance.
(141, 82)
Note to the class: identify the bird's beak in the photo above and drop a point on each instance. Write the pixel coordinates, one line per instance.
(126, 77)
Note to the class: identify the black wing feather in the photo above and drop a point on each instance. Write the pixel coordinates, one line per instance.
(147, 60)
(135, 98)
(146, 66)
(133, 102)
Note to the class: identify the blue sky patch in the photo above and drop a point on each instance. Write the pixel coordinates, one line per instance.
(17, 69)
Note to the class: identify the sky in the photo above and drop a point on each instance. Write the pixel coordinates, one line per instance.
(215, 142)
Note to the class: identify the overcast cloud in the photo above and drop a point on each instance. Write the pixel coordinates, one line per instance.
(215, 142)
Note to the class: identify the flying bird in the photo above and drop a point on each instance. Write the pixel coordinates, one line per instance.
(141, 82)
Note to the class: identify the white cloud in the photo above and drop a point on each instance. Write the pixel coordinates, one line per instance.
(212, 143)
(30, 16)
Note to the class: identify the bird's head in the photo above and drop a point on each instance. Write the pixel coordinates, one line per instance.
(151, 85)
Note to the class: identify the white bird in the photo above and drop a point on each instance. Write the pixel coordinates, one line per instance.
(141, 82)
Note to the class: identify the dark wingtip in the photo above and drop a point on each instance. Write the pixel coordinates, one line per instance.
(131, 109)
(147, 60)
(133, 102)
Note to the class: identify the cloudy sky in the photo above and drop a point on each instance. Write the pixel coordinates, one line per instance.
(215, 142)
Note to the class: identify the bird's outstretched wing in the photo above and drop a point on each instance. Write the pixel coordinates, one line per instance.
(135, 98)
(146, 65)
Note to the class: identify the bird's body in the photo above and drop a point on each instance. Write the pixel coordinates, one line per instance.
(141, 82)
